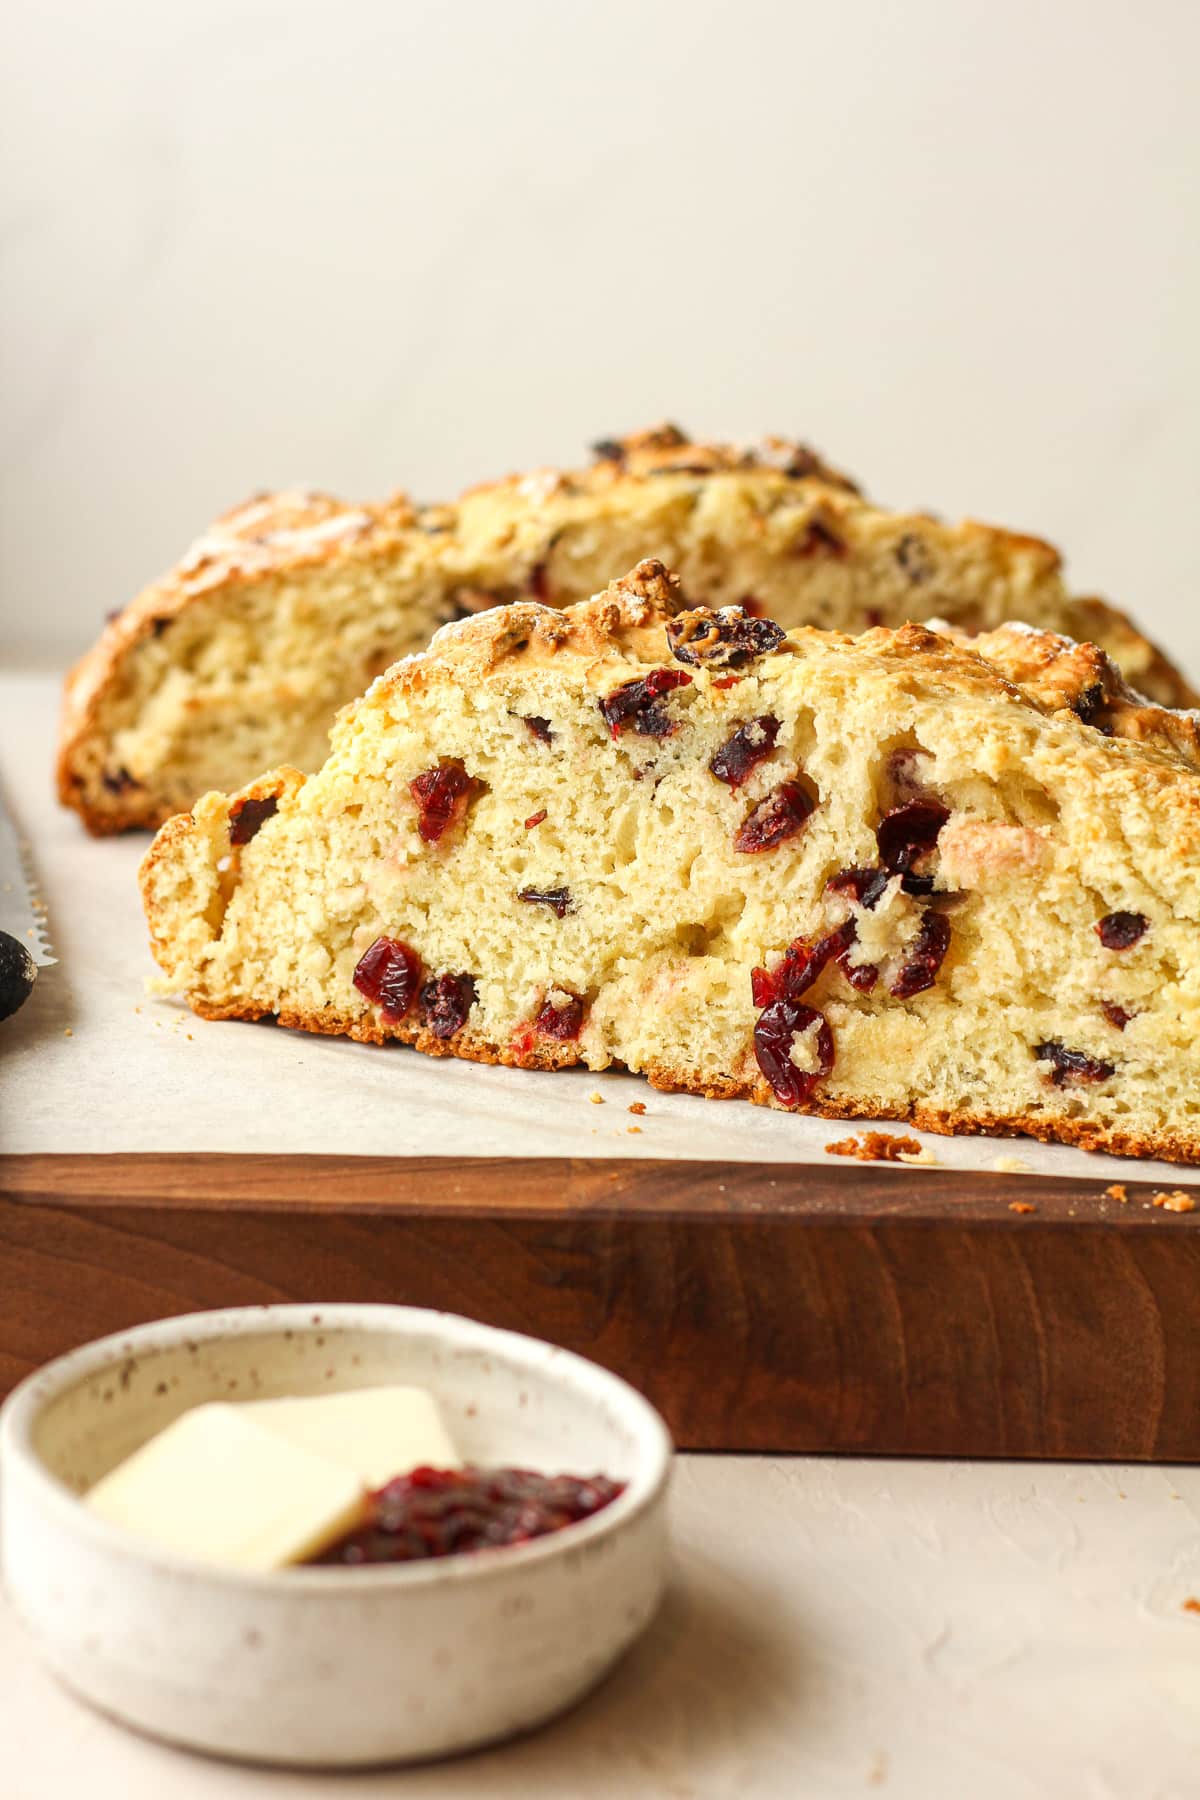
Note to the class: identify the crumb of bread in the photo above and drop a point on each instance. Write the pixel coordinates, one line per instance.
(1191, 1604)
(596, 1099)
(875, 1146)
(923, 1154)
(1117, 1191)
(634, 1130)
(638, 1107)
(1176, 1201)
(1021, 1206)
(1010, 1165)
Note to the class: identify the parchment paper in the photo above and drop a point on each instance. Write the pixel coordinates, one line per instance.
(92, 1064)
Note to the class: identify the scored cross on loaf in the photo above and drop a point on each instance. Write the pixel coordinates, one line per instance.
(905, 875)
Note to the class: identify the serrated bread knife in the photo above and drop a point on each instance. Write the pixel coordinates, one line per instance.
(24, 947)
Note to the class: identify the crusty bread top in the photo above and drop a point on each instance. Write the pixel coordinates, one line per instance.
(498, 533)
(299, 527)
(1048, 673)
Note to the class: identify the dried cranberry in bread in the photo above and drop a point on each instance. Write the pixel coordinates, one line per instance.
(953, 884)
(290, 605)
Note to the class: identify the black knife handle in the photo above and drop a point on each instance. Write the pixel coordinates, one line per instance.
(18, 972)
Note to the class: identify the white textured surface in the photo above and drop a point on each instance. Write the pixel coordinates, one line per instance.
(927, 1631)
(250, 242)
(157, 1078)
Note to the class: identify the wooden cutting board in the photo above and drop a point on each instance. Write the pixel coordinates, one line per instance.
(760, 1306)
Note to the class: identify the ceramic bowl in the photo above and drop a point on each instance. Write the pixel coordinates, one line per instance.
(330, 1666)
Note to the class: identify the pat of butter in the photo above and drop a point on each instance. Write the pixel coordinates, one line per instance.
(215, 1485)
(378, 1432)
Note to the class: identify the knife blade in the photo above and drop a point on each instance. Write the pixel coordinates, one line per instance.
(22, 911)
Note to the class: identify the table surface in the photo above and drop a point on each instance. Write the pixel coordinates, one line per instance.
(833, 1627)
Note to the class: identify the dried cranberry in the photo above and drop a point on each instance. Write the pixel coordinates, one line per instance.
(908, 833)
(920, 969)
(119, 781)
(862, 976)
(1087, 704)
(442, 795)
(866, 887)
(540, 728)
(557, 899)
(445, 1003)
(741, 754)
(564, 1022)
(915, 558)
(1116, 1015)
(246, 816)
(799, 966)
(774, 1035)
(388, 974)
(633, 703)
(1119, 930)
(439, 1512)
(727, 639)
(820, 539)
(539, 582)
(1072, 1066)
(535, 819)
(762, 987)
(778, 817)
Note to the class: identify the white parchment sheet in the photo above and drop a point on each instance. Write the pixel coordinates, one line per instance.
(92, 1064)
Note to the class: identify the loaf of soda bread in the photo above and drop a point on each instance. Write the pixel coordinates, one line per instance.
(899, 876)
(290, 605)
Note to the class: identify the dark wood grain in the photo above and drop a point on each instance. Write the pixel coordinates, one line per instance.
(761, 1306)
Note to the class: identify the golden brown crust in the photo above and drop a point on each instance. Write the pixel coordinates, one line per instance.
(273, 535)
(1052, 674)
(1064, 676)
(1082, 1134)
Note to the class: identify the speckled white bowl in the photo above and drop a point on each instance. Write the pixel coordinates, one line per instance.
(330, 1666)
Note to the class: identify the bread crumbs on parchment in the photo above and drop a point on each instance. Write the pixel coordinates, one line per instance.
(924, 1154)
(1117, 1191)
(634, 1130)
(1176, 1201)
(875, 1146)
(1010, 1165)
(596, 1099)
(638, 1107)
(1191, 1604)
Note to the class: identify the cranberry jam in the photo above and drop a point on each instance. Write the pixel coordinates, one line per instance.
(438, 1512)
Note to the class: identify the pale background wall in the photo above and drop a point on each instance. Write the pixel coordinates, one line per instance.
(394, 242)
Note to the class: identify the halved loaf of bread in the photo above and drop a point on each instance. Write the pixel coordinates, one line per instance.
(896, 876)
(290, 605)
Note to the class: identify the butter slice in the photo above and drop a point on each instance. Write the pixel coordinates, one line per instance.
(377, 1432)
(217, 1486)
